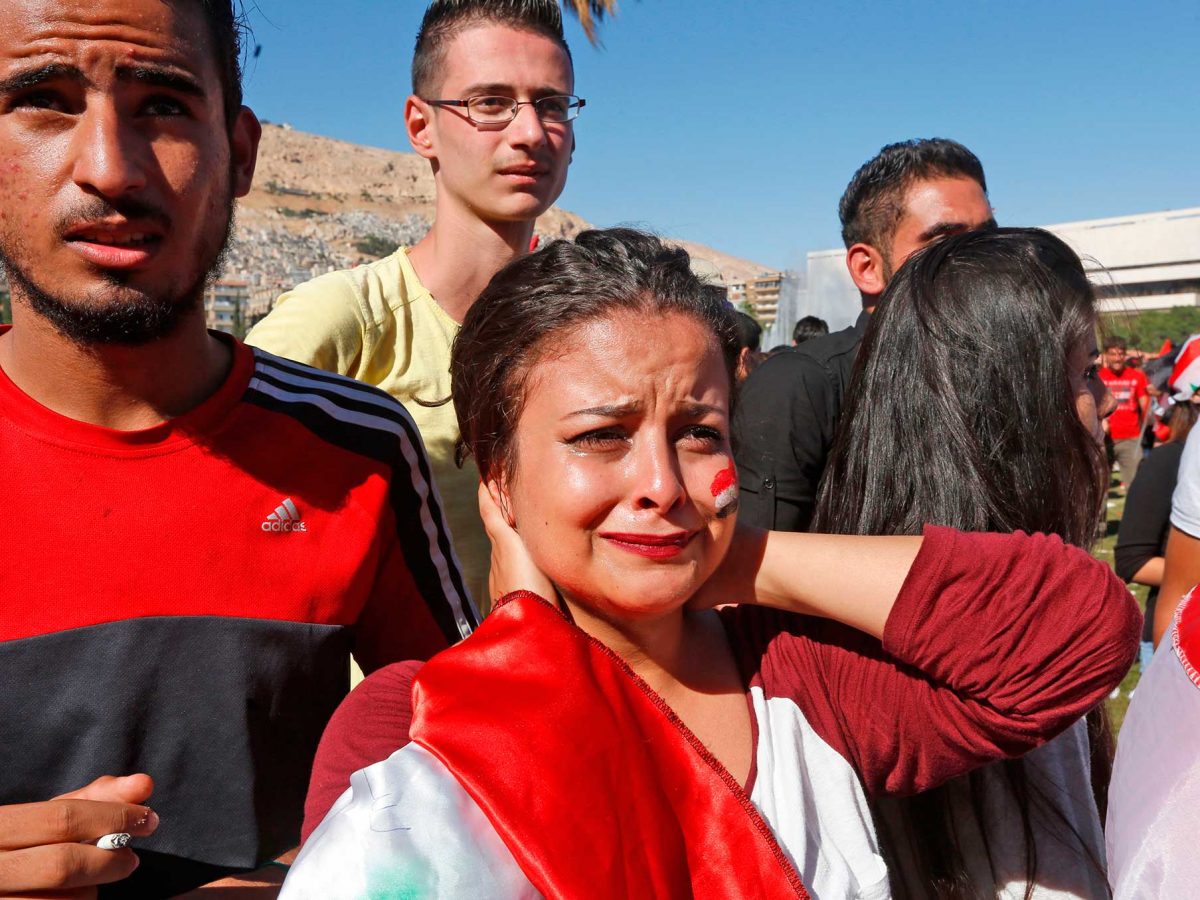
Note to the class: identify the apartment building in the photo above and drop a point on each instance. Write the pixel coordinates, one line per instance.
(225, 303)
(761, 292)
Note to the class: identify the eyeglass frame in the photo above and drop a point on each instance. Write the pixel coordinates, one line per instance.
(516, 107)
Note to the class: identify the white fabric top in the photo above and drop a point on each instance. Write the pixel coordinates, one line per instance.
(1185, 502)
(1068, 837)
(1153, 829)
(1059, 771)
(407, 828)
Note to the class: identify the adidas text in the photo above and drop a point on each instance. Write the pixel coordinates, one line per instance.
(285, 518)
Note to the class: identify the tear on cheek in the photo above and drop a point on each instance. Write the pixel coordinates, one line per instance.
(725, 491)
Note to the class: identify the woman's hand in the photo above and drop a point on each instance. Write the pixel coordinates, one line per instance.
(734, 581)
(513, 569)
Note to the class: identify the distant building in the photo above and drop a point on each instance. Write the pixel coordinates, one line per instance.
(225, 303)
(299, 274)
(261, 300)
(761, 292)
(1139, 262)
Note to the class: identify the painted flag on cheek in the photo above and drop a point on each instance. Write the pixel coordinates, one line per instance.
(725, 491)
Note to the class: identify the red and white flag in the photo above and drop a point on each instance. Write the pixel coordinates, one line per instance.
(1185, 376)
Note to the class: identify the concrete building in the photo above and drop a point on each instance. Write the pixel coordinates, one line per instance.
(1137, 262)
(261, 301)
(225, 303)
(737, 292)
(761, 292)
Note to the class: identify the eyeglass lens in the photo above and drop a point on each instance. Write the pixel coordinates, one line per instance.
(560, 108)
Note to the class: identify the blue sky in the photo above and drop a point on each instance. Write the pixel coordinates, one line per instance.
(738, 123)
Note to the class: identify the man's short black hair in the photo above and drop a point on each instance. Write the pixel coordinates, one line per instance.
(226, 25)
(809, 327)
(749, 331)
(446, 18)
(874, 200)
(1115, 342)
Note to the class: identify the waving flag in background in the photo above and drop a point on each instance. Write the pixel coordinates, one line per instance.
(1185, 377)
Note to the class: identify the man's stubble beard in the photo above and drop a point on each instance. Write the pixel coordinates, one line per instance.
(132, 320)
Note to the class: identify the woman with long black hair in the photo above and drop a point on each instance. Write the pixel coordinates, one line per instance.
(977, 405)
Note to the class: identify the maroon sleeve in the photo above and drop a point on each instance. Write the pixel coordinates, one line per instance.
(369, 726)
(995, 644)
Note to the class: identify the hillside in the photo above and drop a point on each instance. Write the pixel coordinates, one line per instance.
(320, 203)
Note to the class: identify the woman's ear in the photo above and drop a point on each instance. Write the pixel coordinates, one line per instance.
(498, 489)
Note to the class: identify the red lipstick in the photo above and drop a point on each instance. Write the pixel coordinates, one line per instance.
(653, 546)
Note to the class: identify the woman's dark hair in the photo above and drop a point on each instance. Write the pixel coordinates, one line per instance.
(961, 412)
(531, 307)
(1180, 421)
(961, 406)
(749, 331)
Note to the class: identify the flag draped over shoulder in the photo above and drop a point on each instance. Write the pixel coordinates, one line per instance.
(592, 782)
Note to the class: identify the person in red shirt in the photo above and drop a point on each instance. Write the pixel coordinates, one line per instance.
(196, 535)
(1128, 386)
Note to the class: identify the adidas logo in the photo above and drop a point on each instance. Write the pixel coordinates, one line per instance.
(285, 518)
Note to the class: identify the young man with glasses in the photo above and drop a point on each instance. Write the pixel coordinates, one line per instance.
(491, 110)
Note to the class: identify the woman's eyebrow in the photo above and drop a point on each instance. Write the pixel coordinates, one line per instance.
(613, 411)
(696, 409)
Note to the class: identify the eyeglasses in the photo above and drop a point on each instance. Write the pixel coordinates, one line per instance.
(502, 110)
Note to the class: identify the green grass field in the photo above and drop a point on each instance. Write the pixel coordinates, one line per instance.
(1104, 550)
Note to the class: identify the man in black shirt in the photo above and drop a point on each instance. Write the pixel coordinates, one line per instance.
(908, 196)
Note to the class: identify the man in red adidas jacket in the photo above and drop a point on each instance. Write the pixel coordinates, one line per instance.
(196, 535)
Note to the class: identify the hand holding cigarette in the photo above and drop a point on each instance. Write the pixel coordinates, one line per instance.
(74, 842)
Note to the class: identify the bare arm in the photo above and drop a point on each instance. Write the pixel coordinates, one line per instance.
(263, 884)
(1151, 573)
(807, 573)
(993, 644)
(1181, 572)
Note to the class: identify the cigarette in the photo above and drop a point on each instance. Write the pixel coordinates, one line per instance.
(116, 841)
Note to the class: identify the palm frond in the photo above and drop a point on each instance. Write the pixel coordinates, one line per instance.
(590, 13)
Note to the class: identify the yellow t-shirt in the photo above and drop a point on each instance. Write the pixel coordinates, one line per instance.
(377, 323)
